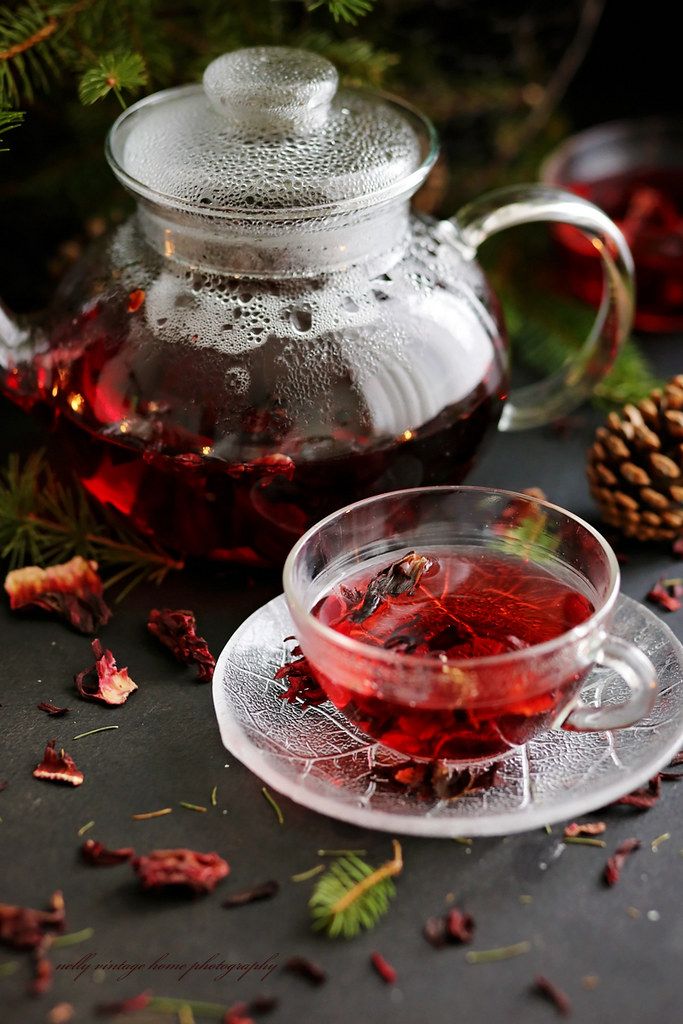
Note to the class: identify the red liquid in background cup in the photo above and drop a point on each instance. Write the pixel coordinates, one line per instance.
(468, 605)
(648, 207)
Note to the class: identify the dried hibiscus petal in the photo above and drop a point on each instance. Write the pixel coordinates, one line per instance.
(43, 970)
(400, 577)
(52, 709)
(301, 684)
(95, 852)
(135, 300)
(73, 590)
(103, 681)
(238, 1014)
(386, 972)
(176, 630)
(560, 1000)
(257, 892)
(644, 798)
(585, 828)
(454, 926)
(199, 872)
(667, 597)
(615, 863)
(125, 1005)
(24, 928)
(308, 969)
(58, 767)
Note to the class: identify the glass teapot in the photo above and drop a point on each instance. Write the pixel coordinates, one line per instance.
(273, 333)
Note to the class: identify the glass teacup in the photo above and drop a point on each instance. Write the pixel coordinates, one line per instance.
(389, 658)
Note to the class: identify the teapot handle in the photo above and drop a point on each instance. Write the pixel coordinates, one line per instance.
(538, 403)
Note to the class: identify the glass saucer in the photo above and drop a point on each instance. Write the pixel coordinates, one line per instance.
(317, 758)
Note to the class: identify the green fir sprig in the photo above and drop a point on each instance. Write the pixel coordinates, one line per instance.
(118, 72)
(44, 521)
(343, 10)
(352, 895)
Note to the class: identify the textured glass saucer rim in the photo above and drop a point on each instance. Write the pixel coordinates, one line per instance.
(402, 188)
(426, 820)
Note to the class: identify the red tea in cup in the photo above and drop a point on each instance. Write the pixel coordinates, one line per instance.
(450, 605)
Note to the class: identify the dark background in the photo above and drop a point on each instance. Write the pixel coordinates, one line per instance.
(167, 748)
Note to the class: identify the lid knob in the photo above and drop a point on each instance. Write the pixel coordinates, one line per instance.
(271, 87)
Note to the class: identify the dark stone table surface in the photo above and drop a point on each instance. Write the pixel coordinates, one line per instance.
(167, 749)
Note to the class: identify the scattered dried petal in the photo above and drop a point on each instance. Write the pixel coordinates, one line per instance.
(52, 709)
(58, 767)
(302, 686)
(94, 852)
(386, 972)
(24, 928)
(125, 1005)
(585, 828)
(3, 784)
(238, 1014)
(258, 892)
(560, 1000)
(454, 926)
(199, 872)
(615, 863)
(676, 759)
(644, 798)
(43, 971)
(662, 595)
(135, 300)
(307, 969)
(177, 630)
(103, 681)
(73, 590)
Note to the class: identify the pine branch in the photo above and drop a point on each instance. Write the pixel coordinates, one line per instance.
(358, 61)
(343, 10)
(9, 119)
(44, 521)
(30, 50)
(351, 895)
(114, 72)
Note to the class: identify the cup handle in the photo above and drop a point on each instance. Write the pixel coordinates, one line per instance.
(508, 207)
(638, 673)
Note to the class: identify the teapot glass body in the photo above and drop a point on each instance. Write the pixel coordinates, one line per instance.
(224, 413)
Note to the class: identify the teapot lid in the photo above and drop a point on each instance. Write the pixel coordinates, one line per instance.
(270, 131)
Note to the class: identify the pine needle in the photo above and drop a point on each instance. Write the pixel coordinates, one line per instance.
(343, 10)
(44, 521)
(275, 805)
(114, 72)
(351, 895)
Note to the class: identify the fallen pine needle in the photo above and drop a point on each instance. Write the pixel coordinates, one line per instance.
(303, 876)
(656, 843)
(91, 732)
(214, 796)
(72, 939)
(8, 968)
(490, 956)
(341, 853)
(85, 828)
(585, 841)
(274, 804)
(193, 807)
(152, 814)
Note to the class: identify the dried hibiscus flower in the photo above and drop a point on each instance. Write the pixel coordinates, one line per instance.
(24, 928)
(585, 828)
(386, 972)
(435, 780)
(399, 578)
(454, 926)
(177, 630)
(96, 853)
(52, 709)
(73, 590)
(301, 684)
(667, 594)
(140, 1002)
(103, 681)
(199, 872)
(644, 798)
(560, 1000)
(615, 863)
(58, 767)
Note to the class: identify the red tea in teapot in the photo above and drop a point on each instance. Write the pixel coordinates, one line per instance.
(455, 605)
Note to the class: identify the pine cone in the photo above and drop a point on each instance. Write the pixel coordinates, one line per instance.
(635, 466)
